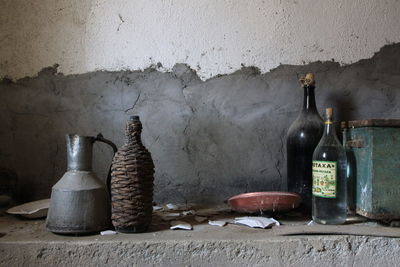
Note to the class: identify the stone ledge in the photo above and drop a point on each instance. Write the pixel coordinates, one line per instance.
(27, 243)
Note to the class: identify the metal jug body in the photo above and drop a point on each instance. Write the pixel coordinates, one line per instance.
(80, 201)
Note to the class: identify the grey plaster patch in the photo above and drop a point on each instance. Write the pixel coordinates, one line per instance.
(209, 140)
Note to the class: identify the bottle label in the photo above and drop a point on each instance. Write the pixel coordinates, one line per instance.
(324, 178)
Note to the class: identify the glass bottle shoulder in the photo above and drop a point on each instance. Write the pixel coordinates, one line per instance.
(307, 125)
(329, 148)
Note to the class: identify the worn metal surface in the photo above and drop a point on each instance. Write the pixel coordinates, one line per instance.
(378, 176)
(80, 201)
(79, 152)
(374, 123)
(355, 143)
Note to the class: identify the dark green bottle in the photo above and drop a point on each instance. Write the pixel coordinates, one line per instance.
(302, 138)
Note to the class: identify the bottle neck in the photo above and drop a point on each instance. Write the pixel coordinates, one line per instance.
(135, 138)
(133, 132)
(344, 137)
(309, 99)
(329, 129)
(330, 133)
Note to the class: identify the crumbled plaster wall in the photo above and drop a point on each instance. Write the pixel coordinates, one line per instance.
(211, 37)
(209, 139)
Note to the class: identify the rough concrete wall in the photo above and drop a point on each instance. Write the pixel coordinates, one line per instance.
(209, 140)
(212, 37)
(287, 251)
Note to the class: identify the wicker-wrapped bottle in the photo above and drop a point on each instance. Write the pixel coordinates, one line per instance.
(132, 179)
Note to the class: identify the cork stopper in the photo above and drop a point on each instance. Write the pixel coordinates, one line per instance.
(307, 80)
(329, 114)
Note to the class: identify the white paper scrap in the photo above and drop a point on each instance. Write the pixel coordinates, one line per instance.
(108, 232)
(217, 223)
(171, 206)
(180, 225)
(188, 212)
(256, 222)
(156, 208)
(200, 219)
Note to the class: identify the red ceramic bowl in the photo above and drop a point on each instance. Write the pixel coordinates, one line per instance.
(264, 201)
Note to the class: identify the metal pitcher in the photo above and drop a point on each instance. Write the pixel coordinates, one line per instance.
(80, 201)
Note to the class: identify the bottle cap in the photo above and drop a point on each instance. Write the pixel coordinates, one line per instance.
(134, 118)
(308, 80)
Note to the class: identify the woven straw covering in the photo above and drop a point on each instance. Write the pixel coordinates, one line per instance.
(132, 176)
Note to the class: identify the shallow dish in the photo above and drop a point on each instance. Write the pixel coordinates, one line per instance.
(265, 201)
(32, 210)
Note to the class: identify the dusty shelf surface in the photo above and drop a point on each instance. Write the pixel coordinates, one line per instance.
(27, 243)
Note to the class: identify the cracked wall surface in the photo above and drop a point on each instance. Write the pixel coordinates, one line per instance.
(209, 139)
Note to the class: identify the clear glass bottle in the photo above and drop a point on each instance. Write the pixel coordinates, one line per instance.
(329, 168)
(302, 138)
(351, 171)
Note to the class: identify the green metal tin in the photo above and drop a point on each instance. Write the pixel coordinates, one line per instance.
(376, 148)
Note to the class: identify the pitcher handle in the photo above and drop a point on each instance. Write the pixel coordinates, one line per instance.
(100, 138)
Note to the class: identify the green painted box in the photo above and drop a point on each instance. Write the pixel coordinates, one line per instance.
(375, 145)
